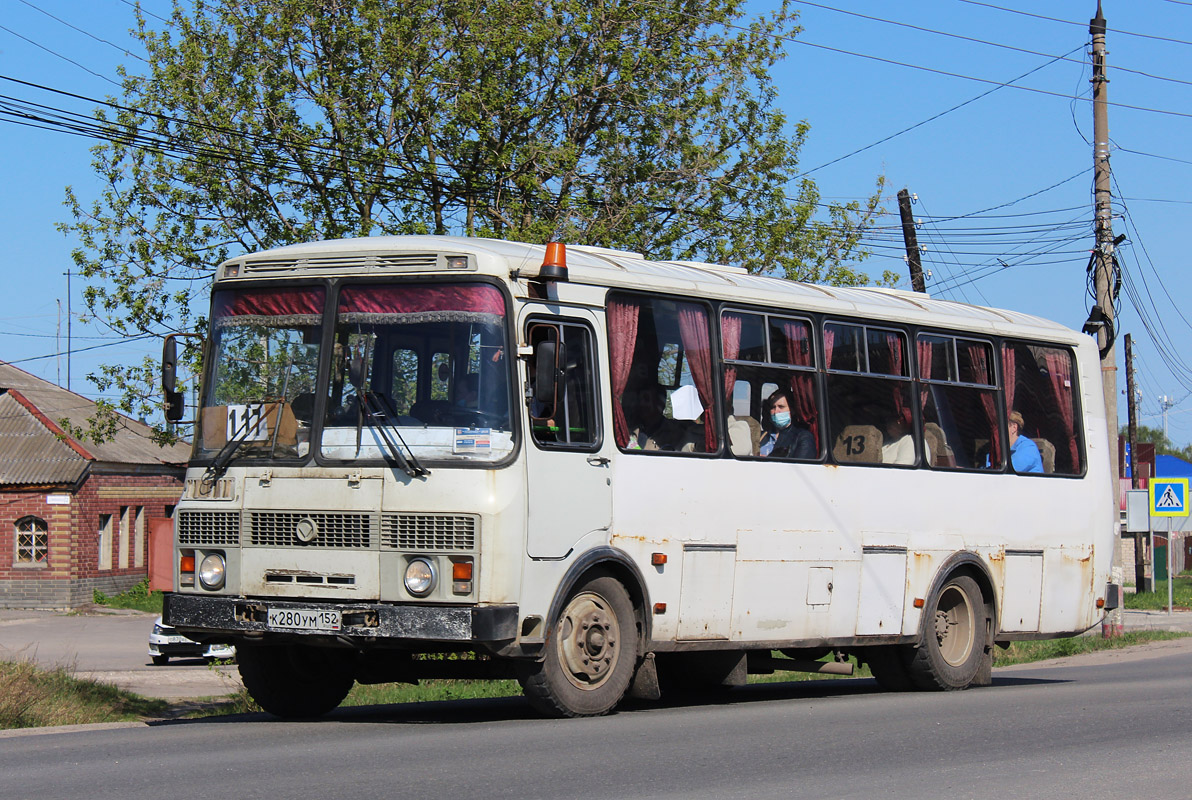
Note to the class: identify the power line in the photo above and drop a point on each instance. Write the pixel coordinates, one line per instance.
(59, 55)
(940, 114)
(1070, 22)
(84, 32)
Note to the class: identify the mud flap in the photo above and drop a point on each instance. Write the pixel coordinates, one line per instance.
(645, 680)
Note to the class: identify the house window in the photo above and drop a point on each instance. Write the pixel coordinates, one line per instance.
(33, 541)
(122, 547)
(139, 538)
(105, 541)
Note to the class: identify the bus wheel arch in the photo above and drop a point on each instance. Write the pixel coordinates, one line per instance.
(955, 646)
(613, 562)
(593, 645)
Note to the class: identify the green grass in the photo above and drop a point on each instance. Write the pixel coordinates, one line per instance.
(31, 697)
(1152, 601)
(138, 597)
(1026, 652)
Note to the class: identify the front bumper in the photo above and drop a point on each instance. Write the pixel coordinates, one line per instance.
(204, 617)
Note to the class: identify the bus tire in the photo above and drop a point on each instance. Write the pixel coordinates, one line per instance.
(591, 653)
(953, 643)
(292, 681)
(888, 663)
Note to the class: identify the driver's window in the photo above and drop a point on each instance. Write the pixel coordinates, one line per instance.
(572, 419)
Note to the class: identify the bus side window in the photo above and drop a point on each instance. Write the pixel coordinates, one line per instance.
(1041, 386)
(570, 419)
(958, 402)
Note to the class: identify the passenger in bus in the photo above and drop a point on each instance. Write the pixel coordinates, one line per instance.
(782, 437)
(899, 447)
(649, 427)
(1024, 454)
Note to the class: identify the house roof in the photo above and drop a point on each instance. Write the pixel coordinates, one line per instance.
(35, 449)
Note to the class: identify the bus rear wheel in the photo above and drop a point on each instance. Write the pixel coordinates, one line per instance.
(292, 681)
(590, 655)
(889, 667)
(953, 642)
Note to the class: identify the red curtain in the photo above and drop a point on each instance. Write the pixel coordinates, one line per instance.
(414, 299)
(1059, 370)
(925, 353)
(693, 328)
(622, 339)
(730, 337)
(901, 409)
(1008, 375)
(798, 351)
(979, 367)
(282, 301)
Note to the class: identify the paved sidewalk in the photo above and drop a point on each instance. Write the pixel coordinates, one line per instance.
(1157, 621)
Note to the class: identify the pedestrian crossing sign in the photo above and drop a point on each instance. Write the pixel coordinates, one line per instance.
(1169, 497)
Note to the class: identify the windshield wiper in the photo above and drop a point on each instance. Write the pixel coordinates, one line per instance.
(226, 453)
(374, 405)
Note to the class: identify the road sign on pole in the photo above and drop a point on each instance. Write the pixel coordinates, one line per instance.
(1169, 497)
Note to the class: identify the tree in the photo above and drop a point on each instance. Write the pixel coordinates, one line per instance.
(641, 126)
(1163, 445)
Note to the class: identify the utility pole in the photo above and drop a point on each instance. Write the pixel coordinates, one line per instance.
(1166, 404)
(68, 320)
(1105, 280)
(911, 240)
(1105, 275)
(1141, 557)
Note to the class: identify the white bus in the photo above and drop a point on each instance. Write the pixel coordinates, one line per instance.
(435, 456)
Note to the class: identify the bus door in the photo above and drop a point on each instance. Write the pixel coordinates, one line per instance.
(569, 483)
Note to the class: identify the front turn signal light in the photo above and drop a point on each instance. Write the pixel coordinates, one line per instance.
(186, 568)
(461, 577)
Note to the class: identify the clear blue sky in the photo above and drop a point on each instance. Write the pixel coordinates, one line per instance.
(1007, 175)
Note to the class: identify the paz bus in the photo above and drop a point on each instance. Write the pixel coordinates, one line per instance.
(607, 476)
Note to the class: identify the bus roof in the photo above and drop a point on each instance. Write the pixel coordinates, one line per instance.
(599, 266)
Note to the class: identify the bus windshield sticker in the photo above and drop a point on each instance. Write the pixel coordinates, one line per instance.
(472, 440)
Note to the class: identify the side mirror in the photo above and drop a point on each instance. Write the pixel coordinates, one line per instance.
(169, 366)
(175, 406)
(545, 372)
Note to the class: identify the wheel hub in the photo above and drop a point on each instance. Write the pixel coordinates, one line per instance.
(955, 625)
(587, 640)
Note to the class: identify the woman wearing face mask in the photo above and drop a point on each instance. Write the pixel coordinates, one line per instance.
(782, 437)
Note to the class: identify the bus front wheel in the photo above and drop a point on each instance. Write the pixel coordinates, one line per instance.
(590, 653)
(953, 642)
(292, 681)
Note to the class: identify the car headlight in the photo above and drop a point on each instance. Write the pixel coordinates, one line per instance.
(211, 572)
(420, 577)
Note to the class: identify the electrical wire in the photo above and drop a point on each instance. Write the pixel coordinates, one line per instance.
(1070, 22)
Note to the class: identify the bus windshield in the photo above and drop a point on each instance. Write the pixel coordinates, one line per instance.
(265, 351)
(418, 369)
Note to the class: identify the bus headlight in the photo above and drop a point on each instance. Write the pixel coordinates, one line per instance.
(420, 577)
(212, 571)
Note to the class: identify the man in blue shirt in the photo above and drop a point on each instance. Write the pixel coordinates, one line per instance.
(1024, 454)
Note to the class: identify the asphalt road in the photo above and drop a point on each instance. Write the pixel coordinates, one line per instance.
(1107, 725)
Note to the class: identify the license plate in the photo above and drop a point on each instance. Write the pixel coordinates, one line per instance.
(304, 619)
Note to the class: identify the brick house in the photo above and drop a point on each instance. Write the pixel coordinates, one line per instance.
(74, 515)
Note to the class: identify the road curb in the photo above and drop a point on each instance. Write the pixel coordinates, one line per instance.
(13, 733)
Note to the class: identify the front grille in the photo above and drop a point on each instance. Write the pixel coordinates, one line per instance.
(275, 529)
(207, 528)
(428, 532)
